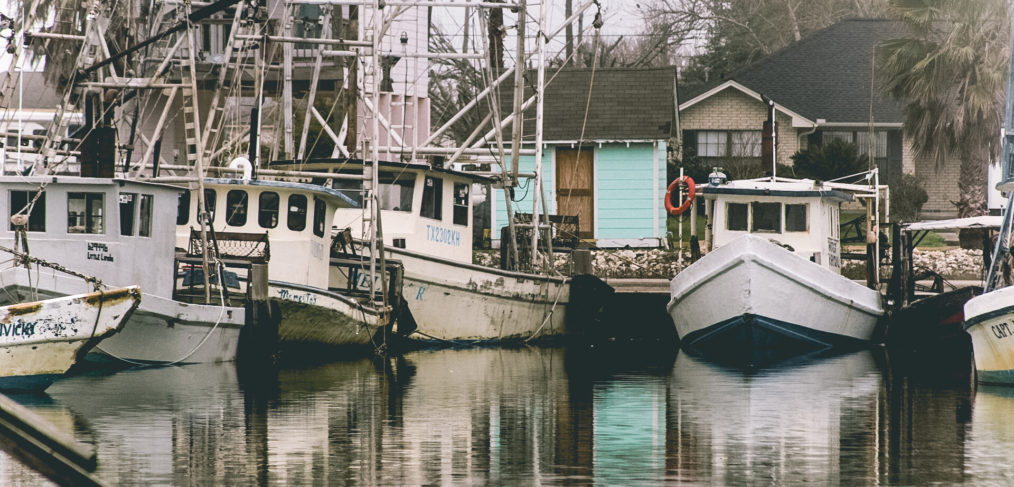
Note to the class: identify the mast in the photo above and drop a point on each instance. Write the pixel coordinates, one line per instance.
(540, 47)
(1002, 248)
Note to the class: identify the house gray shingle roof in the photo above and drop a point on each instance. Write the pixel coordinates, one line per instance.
(825, 75)
(626, 104)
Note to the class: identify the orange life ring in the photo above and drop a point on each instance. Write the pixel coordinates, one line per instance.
(691, 192)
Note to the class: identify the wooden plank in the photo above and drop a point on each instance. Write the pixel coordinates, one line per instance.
(41, 446)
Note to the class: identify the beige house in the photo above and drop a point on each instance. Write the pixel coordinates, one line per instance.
(822, 90)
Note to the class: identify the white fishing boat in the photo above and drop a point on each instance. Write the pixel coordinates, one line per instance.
(772, 285)
(286, 226)
(41, 340)
(427, 227)
(121, 232)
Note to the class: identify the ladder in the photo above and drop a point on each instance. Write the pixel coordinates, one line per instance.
(229, 76)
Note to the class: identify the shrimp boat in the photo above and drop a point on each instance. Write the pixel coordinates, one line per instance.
(285, 226)
(41, 340)
(772, 287)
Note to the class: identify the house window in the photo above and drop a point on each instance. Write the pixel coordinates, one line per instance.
(128, 205)
(767, 217)
(37, 218)
(236, 206)
(795, 218)
(736, 216)
(183, 208)
(861, 139)
(85, 213)
(267, 210)
(432, 198)
(144, 222)
(729, 143)
(460, 204)
(319, 214)
(296, 220)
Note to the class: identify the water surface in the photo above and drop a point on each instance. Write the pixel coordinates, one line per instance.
(535, 416)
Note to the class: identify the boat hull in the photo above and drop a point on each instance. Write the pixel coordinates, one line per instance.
(753, 299)
(311, 316)
(454, 301)
(160, 331)
(989, 321)
(41, 340)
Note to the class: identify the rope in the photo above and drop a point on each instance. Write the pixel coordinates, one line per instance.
(27, 258)
(549, 315)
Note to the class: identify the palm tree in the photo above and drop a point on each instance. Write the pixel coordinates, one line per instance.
(949, 72)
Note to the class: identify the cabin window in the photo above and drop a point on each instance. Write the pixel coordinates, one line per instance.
(37, 218)
(209, 204)
(432, 198)
(128, 207)
(396, 191)
(144, 221)
(236, 202)
(736, 216)
(460, 204)
(85, 212)
(352, 189)
(767, 217)
(296, 220)
(267, 210)
(795, 218)
(319, 214)
(183, 208)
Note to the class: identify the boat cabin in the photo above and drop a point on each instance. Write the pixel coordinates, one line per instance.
(294, 219)
(424, 209)
(120, 231)
(800, 215)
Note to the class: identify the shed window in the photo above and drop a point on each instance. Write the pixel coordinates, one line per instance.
(432, 198)
(296, 220)
(37, 218)
(460, 204)
(128, 207)
(795, 218)
(267, 210)
(85, 212)
(236, 203)
(183, 208)
(736, 216)
(319, 214)
(767, 217)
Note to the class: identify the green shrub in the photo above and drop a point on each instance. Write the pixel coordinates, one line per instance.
(907, 198)
(833, 160)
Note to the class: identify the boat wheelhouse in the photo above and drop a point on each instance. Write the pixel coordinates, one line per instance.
(121, 232)
(771, 285)
(287, 227)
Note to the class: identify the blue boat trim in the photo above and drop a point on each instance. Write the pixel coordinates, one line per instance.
(35, 382)
(1002, 377)
(755, 339)
(970, 322)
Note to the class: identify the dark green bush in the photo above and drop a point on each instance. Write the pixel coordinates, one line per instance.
(831, 161)
(907, 198)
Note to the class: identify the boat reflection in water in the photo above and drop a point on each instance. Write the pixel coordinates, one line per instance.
(534, 416)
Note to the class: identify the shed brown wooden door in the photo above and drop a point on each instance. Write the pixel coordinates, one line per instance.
(575, 189)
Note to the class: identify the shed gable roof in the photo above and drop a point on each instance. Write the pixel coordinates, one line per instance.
(625, 104)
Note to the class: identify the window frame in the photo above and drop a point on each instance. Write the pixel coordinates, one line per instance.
(432, 198)
(460, 206)
(300, 211)
(319, 216)
(91, 220)
(38, 214)
(237, 217)
(261, 211)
